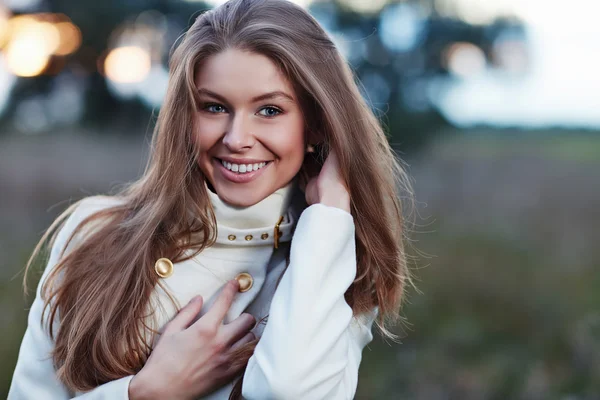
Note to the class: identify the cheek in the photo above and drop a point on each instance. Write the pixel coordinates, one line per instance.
(290, 147)
(206, 135)
(291, 157)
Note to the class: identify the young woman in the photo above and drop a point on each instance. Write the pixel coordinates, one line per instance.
(254, 254)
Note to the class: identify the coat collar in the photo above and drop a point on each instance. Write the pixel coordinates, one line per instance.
(255, 225)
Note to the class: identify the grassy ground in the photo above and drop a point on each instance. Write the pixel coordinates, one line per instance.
(510, 295)
(510, 302)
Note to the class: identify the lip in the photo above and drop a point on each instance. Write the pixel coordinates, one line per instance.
(239, 178)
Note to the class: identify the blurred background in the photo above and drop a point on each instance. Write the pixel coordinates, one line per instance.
(494, 105)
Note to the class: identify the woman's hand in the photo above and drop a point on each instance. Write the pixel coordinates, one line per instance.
(328, 187)
(191, 360)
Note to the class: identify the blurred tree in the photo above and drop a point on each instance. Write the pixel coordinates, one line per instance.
(394, 53)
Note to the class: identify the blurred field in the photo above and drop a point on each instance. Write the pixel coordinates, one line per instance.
(510, 302)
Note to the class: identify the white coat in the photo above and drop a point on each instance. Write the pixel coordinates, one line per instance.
(311, 346)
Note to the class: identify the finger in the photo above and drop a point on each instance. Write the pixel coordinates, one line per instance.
(236, 329)
(249, 337)
(217, 312)
(332, 162)
(311, 193)
(303, 179)
(185, 317)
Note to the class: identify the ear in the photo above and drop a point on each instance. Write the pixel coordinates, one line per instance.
(312, 139)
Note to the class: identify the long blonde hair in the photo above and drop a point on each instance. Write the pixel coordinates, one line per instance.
(107, 279)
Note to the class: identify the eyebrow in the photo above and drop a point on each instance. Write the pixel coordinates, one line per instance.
(262, 97)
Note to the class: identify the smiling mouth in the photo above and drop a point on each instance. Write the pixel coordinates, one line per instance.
(243, 168)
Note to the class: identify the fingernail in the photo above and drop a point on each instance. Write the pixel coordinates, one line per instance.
(196, 299)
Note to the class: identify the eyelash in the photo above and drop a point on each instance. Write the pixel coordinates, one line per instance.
(206, 106)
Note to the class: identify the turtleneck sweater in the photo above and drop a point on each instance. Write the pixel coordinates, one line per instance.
(265, 213)
(311, 345)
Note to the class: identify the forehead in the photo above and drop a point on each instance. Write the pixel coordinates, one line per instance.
(236, 73)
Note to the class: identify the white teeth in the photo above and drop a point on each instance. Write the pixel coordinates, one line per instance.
(243, 168)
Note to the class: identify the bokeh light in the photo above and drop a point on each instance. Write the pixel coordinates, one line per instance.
(31, 40)
(31, 45)
(129, 64)
(402, 27)
(464, 59)
(4, 18)
(70, 38)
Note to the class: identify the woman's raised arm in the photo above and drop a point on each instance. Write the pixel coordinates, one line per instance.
(311, 347)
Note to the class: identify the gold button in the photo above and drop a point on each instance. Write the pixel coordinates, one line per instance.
(264, 236)
(248, 238)
(245, 280)
(163, 267)
(231, 237)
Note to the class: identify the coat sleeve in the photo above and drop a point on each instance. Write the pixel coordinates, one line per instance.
(312, 345)
(34, 376)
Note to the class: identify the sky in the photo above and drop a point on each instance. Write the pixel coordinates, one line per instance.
(561, 87)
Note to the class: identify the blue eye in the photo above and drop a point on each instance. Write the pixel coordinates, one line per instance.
(214, 108)
(273, 111)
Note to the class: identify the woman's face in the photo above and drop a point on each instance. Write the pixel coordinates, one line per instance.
(249, 129)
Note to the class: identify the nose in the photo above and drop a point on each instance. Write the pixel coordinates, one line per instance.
(238, 137)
